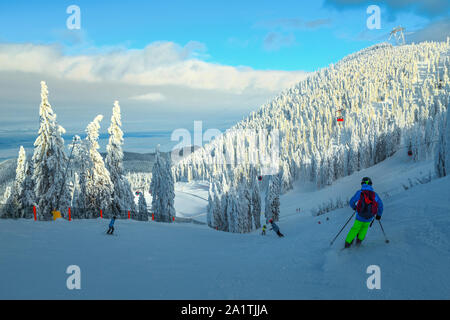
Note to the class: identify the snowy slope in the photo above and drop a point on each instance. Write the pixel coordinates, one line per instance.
(390, 177)
(187, 261)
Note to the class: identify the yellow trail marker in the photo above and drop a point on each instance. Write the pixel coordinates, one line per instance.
(56, 215)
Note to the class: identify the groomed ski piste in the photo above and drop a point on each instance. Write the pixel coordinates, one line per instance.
(149, 260)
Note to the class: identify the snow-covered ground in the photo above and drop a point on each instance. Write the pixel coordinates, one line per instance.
(149, 260)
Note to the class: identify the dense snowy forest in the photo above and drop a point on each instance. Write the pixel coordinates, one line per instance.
(339, 120)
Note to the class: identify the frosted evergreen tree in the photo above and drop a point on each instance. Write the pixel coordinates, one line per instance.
(162, 189)
(82, 161)
(170, 190)
(256, 204)
(76, 190)
(122, 196)
(232, 211)
(142, 205)
(244, 209)
(28, 197)
(272, 201)
(6, 194)
(219, 214)
(442, 159)
(210, 208)
(98, 185)
(49, 160)
(15, 200)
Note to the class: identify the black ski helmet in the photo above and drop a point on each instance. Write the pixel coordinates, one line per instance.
(366, 180)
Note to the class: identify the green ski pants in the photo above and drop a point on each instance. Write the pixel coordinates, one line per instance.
(359, 229)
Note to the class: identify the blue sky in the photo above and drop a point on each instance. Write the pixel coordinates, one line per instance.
(233, 32)
(172, 62)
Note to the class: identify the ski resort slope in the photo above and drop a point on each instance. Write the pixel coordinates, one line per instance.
(148, 260)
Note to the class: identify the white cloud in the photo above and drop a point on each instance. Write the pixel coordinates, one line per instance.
(158, 64)
(153, 96)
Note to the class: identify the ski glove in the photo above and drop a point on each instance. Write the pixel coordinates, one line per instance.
(378, 217)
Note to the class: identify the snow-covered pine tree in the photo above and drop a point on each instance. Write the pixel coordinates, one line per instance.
(219, 218)
(122, 196)
(82, 161)
(256, 203)
(232, 211)
(162, 189)
(49, 160)
(170, 190)
(142, 205)
(245, 205)
(6, 194)
(442, 158)
(272, 201)
(28, 197)
(76, 190)
(99, 187)
(210, 207)
(15, 200)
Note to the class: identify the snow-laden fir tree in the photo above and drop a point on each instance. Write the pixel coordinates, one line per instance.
(218, 213)
(82, 161)
(217, 205)
(16, 199)
(6, 194)
(232, 210)
(28, 197)
(442, 158)
(98, 185)
(142, 205)
(170, 189)
(122, 196)
(244, 219)
(210, 207)
(49, 160)
(162, 189)
(76, 190)
(256, 203)
(272, 201)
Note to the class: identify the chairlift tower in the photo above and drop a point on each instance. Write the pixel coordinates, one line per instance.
(398, 35)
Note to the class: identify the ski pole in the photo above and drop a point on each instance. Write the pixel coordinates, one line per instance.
(343, 228)
(386, 239)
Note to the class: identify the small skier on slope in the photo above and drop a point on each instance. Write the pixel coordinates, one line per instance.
(111, 226)
(368, 206)
(263, 233)
(275, 228)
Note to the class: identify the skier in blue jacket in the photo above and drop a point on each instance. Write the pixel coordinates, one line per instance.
(368, 205)
(275, 228)
(111, 225)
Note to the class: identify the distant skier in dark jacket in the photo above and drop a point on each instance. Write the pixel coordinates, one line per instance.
(111, 225)
(368, 206)
(275, 228)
